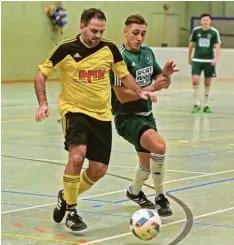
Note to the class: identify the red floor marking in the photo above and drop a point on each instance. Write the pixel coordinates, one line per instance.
(40, 230)
(17, 225)
(61, 235)
(45, 231)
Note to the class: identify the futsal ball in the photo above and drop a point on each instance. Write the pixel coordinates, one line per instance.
(145, 224)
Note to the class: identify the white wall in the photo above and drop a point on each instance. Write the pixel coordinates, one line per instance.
(225, 67)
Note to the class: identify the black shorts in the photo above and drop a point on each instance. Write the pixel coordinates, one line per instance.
(81, 129)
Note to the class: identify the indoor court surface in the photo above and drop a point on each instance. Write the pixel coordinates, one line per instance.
(199, 177)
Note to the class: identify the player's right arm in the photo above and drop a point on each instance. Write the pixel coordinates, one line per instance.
(125, 95)
(120, 70)
(190, 51)
(192, 41)
(45, 70)
(40, 90)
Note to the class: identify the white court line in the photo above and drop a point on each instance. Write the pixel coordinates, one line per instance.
(107, 193)
(167, 170)
(22, 209)
(113, 192)
(199, 176)
(111, 165)
(169, 224)
(48, 204)
(189, 172)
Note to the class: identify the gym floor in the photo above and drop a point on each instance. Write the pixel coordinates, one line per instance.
(199, 177)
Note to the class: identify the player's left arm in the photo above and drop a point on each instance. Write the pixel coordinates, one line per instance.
(159, 73)
(169, 69)
(217, 53)
(217, 46)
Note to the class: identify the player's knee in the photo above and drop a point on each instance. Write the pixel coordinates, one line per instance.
(98, 171)
(77, 160)
(102, 173)
(162, 148)
(196, 80)
(208, 82)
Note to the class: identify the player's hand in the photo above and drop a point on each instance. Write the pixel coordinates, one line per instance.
(153, 97)
(159, 83)
(213, 62)
(169, 68)
(42, 113)
(190, 61)
(148, 94)
(144, 95)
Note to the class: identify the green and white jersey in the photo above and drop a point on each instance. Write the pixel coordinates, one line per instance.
(205, 41)
(143, 67)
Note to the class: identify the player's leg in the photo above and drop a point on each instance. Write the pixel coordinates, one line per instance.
(142, 173)
(76, 141)
(154, 143)
(207, 84)
(130, 127)
(98, 141)
(94, 172)
(209, 72)
(71, 183)
(196, 73)
(98, 153)
(138, 130)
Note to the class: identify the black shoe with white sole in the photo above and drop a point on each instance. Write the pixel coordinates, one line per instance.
(75, 222)
(163, 206)
(141, 199)
(60, 210)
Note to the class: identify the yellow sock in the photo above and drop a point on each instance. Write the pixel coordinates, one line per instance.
(71, 188)
(85, 182)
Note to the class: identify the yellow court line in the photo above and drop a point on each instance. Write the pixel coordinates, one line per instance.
(52, 117)
(201, 140)
(26, 119)
(188, 114)
(18, 120)
(215, 138)
(41, 238)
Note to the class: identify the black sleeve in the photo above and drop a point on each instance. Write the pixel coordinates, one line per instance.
(58, 54)
(193, 36)
(116, 53)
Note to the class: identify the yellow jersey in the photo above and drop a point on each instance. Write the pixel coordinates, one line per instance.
(84, 76)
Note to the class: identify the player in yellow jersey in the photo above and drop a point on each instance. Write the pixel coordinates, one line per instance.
(84, 102)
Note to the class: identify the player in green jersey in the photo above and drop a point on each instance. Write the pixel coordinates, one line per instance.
(204, 38)
(134, 119)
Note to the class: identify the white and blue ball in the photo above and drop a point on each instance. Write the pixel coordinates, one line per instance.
(145, 224)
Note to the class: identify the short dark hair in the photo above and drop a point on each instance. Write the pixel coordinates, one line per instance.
(205, 15)
(135, 19)
(91, 13)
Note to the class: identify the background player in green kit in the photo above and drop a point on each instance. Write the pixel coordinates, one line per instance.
(204, 38)
(134, 119)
